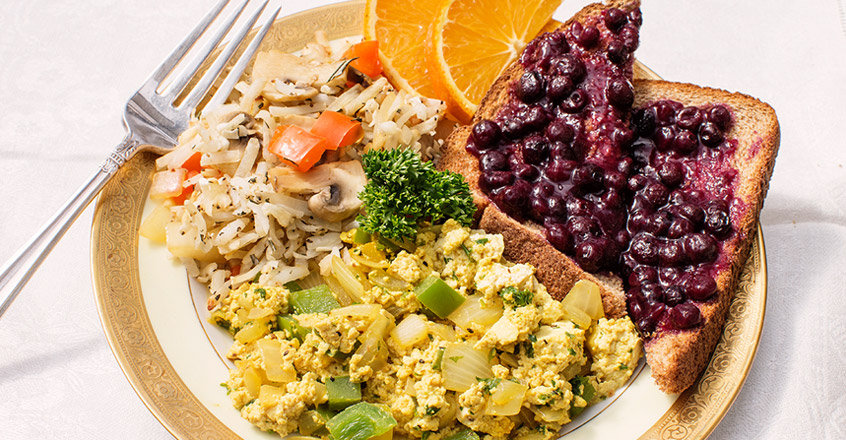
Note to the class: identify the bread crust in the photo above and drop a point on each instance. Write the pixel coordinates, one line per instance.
(677, 358)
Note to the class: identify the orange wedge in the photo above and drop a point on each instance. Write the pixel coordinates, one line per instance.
(471, 42)
(401, 28)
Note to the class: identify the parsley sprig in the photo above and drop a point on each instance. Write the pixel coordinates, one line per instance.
(402, 191)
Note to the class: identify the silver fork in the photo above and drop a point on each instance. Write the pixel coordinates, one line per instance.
(153, 120)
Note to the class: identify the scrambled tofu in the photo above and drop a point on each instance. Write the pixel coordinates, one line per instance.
(519, 353)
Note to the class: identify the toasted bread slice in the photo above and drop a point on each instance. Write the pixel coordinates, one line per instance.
(526, 242)
(677, 358)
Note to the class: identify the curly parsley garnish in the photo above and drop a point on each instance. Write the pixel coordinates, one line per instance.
(402, 191)
(516, 297)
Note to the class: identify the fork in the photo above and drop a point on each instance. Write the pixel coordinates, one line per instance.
(153, 119)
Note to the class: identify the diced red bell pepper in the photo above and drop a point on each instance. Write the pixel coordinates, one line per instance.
(297, 147)
(367, 54)
(339, 129)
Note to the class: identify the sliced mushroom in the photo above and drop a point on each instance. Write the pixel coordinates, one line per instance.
(244, 129)
(335, 187)
(284, 91)
(275, 64)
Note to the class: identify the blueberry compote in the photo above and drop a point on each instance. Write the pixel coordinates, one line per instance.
(645, 195)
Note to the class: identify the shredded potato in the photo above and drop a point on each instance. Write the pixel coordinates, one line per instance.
(237, 226)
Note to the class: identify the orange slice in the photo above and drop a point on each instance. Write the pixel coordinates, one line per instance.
(401, 28)
(471, 42)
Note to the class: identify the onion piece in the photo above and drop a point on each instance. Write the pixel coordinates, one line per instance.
(274, 366)
(462, 365)
(382, 279)
(443, 331)
(410, 331)
(506, 399)
(585, 296)
(472, 312)
(347, 278)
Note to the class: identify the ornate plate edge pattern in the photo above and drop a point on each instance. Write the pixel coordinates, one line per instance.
(123, 314)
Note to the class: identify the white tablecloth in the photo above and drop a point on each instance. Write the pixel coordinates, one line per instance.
(67, 68)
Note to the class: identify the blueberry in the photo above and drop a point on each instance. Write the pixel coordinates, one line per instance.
(685, 142)
(586, 36)
(630, 38)
(685, 315)
(655, 193)
(535, 149)
(717, 219)
(620, 93)
(643, 275)
(664, 113)
(588, 177)
(617, 52)
(575, 102)
(559, 131)
(665, 138)
(559, 87)
(671, 173)
(559, 170)
(644, 248)
(689, 118)
(493, 161)
(526, 172)
(530, 87)
(486, 134)
(721, 116)
(710, 134)
(673, 295)
(589, 254)
(679, 228)
(614, 19)
(671, 254)
(643, 121)
(571, 67)
(558, 236)
(491, 180)
(700, 248)
(699, 286)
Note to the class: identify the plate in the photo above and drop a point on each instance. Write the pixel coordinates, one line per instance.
(174, 359)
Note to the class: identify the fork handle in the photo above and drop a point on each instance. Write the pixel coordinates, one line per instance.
(19, 269)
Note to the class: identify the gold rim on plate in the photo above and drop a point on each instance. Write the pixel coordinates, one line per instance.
(133, 340)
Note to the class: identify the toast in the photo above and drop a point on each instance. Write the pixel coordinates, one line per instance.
(678, 357)
(557, 271)
(678, 340)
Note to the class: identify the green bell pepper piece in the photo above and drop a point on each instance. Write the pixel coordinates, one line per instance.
(318, 299)
(360, 422)
(342, 392)
(437, 296)
(466, 434)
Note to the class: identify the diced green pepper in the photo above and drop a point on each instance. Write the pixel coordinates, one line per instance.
(293, 286)
(360, 422)
(312, 421)
(291, 327)
(361, 236)
(466, 434)
(583, 388)
(437, 296)
(342, 392)
(318, 299)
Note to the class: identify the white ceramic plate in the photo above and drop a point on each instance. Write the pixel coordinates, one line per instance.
(155, 318)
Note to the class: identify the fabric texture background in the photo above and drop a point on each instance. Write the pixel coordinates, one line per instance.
(67, 68)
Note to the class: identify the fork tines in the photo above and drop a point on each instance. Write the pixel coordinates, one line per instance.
(181, 69)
